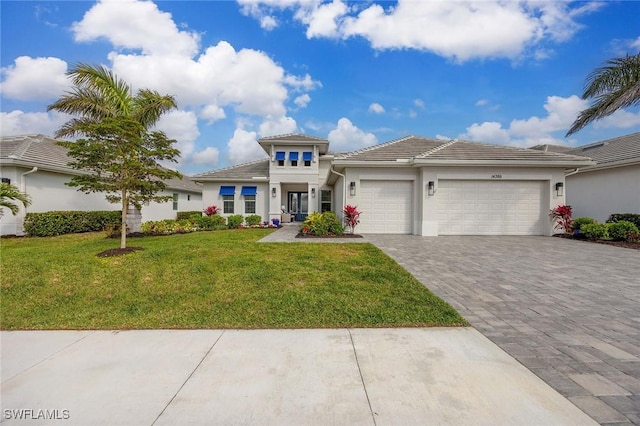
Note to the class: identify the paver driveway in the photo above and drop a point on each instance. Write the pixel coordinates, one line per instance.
(567, 310)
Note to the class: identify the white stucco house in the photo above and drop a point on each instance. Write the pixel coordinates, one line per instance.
(612, 185)
(38, 167)
(413, 185)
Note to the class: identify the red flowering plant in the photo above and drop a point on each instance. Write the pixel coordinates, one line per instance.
(351, 217)
(561, 215)
(211, 210)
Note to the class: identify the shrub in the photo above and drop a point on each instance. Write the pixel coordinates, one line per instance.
(351, 216)
(211, 210)
(208, 223)
(629, 217)
(561, 217)
(188, 215)
(595, 231)
(253, 220)
(70, 222)
(323, 224)
(579, 221)
(234, 221)
(620, 231)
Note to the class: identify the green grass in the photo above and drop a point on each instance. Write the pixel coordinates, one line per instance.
(221, 279)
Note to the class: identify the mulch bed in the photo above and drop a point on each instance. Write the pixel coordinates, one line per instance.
(119, 251)
(301, 235)
(624, 244)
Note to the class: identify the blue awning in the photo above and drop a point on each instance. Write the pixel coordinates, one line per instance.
(280, 156)
(227, 190)
(293, 156)
(307, 156)
(249, 190)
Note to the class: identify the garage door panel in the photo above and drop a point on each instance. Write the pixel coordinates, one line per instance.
(491, 207)
(386, 207)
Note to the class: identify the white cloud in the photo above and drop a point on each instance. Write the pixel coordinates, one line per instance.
(635, 44)
(460, 30)
(620, 119)
(212, 113)
(208, 156)
(272, 126)
(376, 108)
(183, 127)
(303, 100)
(20, 123)
(261, 9)
(419, 103)
(135, 24)
(243, 147)
(35, 78)
(489, 132)
(482, 102)
(348, 136)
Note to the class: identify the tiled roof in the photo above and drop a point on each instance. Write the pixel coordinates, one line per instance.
(552, 148)
(414, 147)
(296, 137)
(623, 148)
(259, 168)
(43, 152)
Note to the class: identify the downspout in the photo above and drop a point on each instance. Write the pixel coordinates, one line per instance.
(572, 173)
(23, 189)
(344, 185)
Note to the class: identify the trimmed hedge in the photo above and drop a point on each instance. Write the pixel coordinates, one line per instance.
(628, 217)
(619, 231)
(187, 215)
(580, 221)
(70, 222)
(595, 231)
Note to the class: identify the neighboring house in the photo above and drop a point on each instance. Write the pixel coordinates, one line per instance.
(412, 185)
(612, 185)
(38, 167)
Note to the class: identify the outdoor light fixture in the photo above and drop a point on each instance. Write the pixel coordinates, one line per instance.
(313, 192)
(352, 189)
(431, 188)
(273, 192)
(559, 189)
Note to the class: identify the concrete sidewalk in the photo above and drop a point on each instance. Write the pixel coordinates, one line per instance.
(439, 376)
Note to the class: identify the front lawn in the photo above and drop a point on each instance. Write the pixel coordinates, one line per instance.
(221, 279)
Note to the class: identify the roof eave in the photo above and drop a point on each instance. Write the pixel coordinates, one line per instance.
(228, 179)
(611, 165)
(528, 163)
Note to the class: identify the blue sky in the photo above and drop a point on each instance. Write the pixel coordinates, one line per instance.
(356, 73)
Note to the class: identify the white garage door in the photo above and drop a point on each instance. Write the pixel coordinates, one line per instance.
(491, 207)
(386, 207)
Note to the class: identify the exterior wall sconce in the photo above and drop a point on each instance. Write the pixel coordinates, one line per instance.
(273, 192)
(559, 189)
(431, 188)
(313, 192)
(352, 189)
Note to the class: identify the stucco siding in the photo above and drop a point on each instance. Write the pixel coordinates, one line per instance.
(211, 196)
(598, 194)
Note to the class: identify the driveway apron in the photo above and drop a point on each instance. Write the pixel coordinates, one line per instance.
(567, 310)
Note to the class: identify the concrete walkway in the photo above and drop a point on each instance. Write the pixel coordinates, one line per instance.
(443, 376)
(568, 310)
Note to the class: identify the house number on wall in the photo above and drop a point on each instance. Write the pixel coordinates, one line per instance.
(496, 176)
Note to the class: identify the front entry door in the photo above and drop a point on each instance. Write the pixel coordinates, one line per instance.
(299, 205)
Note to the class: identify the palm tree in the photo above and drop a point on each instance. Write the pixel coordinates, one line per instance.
(613, 86)
(99, 95)
(9, 194)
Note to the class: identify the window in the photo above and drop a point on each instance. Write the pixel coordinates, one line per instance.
(175, 201)
(227, 193)
(307, 157)
(250, 204)
(6, 180)
(325, 201)
(249, 194)
(280, 155)
(227, 203)
(293, 157)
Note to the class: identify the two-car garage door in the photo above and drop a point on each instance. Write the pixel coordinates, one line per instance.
(480, 207)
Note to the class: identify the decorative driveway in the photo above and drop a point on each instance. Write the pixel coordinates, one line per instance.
(567, 310)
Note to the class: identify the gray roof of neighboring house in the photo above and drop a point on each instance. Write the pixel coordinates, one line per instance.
(294, 137)
(620, 150)
(552, 148)
(254, 169)
(419, 148)
(43, 152)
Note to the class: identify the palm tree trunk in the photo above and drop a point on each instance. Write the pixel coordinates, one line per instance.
(123, 230)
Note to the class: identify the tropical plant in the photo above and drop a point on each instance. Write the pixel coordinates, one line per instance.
(351, 217)
(322, 224)
(234, 221)
(619, 231)
(9, 195)
(253, 220)
(561, 216)
(211, 210)
(613, 86)
(119, 151)
(595, 231)
(629, 217)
